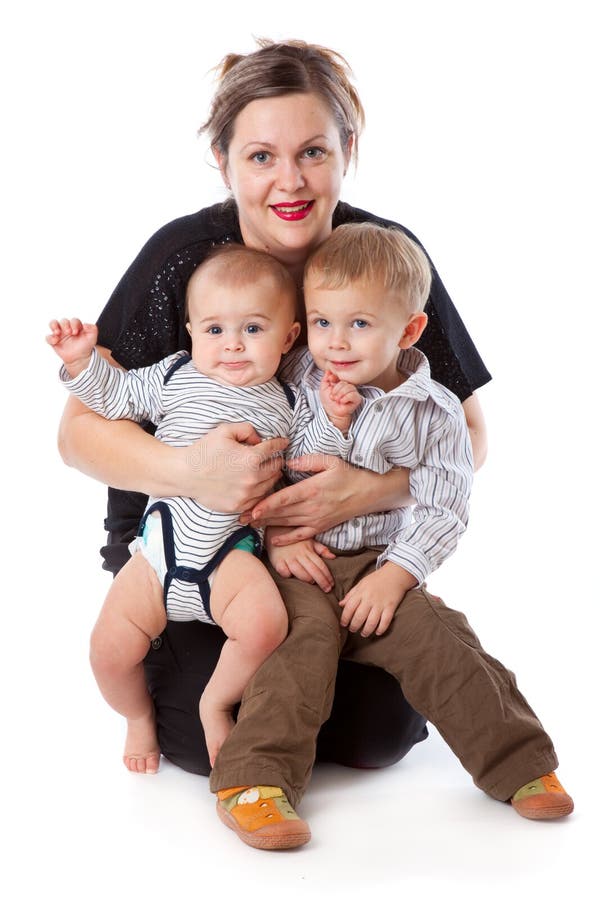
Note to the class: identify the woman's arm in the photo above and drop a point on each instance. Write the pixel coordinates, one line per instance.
(338, 491)
(477, 429)
(122, 454)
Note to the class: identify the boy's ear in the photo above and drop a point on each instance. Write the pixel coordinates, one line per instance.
(413, 331)
(291, 336)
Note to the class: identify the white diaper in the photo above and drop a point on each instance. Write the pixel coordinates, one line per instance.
(151, 545)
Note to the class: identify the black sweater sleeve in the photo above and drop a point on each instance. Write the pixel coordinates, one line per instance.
(144, 320)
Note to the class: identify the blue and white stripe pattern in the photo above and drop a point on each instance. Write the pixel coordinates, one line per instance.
(186, 408)
(419, 425)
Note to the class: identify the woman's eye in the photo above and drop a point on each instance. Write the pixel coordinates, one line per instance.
(314, 152)
(360, 323)
(215, 329)
(261, 156)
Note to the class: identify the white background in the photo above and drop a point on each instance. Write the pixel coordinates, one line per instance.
(481, 138)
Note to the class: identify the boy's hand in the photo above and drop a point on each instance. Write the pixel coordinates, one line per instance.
(370, 606)
(340, 400)
(73, 342)
(303, 560)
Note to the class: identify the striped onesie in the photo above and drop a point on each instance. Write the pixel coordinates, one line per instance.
(419, 425)
(185, 405)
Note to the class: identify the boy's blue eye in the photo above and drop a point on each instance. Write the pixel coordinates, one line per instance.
(321, 323)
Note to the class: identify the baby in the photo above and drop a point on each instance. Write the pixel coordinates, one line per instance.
(189, 562)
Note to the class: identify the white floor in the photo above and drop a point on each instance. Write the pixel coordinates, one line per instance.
(79, 824)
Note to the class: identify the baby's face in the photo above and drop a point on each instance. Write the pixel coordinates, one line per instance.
(239, 333)
(355, 331)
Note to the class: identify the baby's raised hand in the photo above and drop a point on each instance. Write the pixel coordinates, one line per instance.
(73, 342)
(340, 400)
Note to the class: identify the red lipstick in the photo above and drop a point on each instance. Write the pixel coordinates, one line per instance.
(293, 212)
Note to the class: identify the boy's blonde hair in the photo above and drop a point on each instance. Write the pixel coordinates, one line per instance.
(237, 266)
(368, 252)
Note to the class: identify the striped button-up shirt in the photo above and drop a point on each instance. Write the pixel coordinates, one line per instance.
(419, 425)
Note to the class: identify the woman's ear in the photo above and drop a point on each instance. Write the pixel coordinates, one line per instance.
(413, 330)
(221, 161)
(348, 152)
(188, 328)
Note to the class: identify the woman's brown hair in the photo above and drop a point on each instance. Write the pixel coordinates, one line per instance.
(276, 69)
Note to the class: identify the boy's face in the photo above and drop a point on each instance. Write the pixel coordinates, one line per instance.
(239, 333)
(356, 331)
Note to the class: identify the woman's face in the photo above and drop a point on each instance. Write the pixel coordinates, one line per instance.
(285, 168)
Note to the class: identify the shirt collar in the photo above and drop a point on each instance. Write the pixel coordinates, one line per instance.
(412, 362)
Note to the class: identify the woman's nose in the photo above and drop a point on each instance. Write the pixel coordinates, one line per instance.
(289, 176)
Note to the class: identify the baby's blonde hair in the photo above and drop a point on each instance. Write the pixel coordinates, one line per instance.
(368, 252)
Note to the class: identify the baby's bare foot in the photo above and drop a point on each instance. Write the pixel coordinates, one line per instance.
(217, 723)
(142, 753)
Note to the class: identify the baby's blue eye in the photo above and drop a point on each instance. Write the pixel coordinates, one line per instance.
(360, 323)
(322, 323)
(253, 329)
(215, 329)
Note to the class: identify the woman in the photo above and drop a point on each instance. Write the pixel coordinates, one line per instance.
(284, 126)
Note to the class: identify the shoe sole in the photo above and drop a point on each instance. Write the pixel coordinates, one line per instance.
(546, 812)
(271, 837)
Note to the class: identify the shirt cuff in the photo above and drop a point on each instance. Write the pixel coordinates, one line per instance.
(409, 558)
(91, 371)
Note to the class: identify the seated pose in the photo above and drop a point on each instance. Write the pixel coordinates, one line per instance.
(190, 562)
(284, 126)
(365, 289)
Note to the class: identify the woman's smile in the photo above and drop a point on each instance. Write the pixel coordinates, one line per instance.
(293, 212)
(285, 166)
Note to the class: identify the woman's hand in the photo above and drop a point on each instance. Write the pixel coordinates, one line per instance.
(335, 493)
(231, 469)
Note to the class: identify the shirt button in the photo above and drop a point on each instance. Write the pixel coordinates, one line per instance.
(356, 522)
(378, 407)
(358, 457)
(156, 644)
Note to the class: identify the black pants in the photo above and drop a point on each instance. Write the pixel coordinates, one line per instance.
(371, 724)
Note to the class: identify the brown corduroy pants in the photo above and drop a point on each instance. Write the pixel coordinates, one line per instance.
(429, 648)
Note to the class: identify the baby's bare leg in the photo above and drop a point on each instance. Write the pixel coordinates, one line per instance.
(245, 602)
(133, 614)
